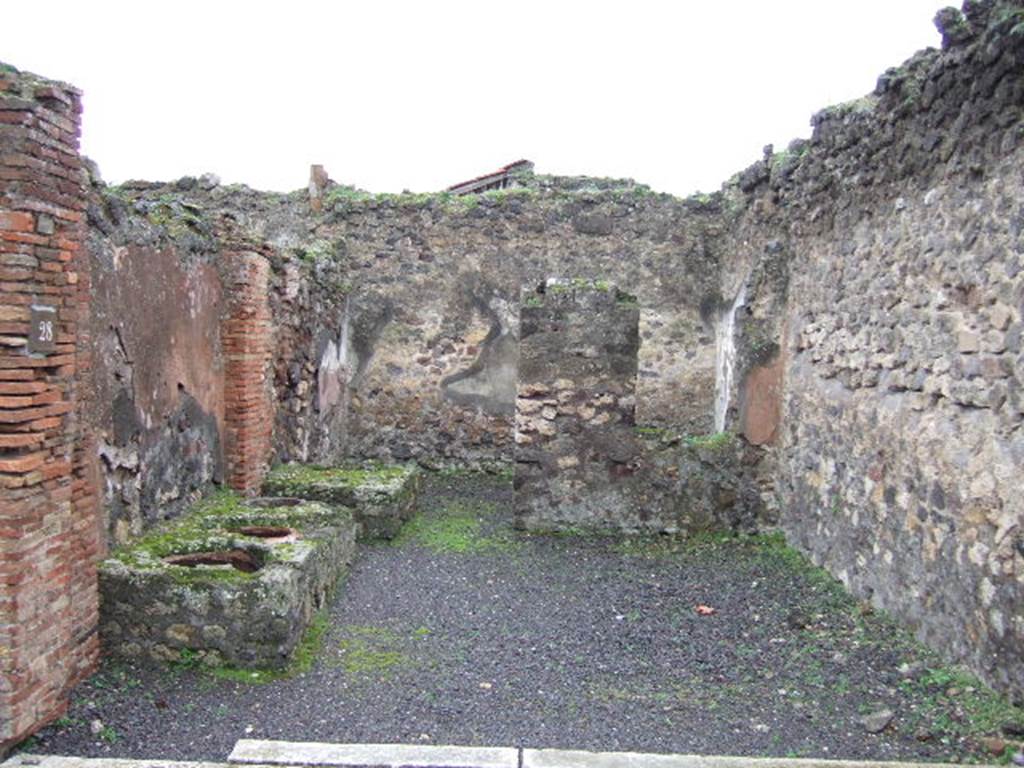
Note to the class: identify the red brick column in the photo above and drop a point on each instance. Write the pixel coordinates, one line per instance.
(48, 518)
(247, 338)
(88, 539)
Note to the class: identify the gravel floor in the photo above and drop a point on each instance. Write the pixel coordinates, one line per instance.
(464, 632)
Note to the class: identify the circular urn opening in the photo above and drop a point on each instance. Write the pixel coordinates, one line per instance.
(238, 559)
(269, 533)
(270, 502)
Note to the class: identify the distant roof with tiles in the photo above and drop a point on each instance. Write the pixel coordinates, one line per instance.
(498, 179)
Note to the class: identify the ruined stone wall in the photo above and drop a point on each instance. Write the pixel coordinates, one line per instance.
(899, 336)
(48, 527)
(581, 462)
(395, 318)
(204, 340)
(575, 405)
(430, 330)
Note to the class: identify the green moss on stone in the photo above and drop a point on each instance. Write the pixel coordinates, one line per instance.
(362, 487)
(176, 217)
(303, 658)
(344, 193)
(299, 475)
(985, 711)
(222, 501)
(208, 527)
(626, 299)
(644, 430)
(715, 442)
(512, 193)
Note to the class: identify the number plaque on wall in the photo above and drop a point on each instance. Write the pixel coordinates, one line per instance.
(42, 335)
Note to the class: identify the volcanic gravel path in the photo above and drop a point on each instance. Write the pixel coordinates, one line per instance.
(466, 633)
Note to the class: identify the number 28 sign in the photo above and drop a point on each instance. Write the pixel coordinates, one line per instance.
(42, 335)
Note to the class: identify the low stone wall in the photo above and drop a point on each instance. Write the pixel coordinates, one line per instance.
(697, 483)
(249, 599)
(382, 498)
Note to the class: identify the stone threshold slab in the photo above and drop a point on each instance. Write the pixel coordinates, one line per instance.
(28, 760)
(567, 758)
(258, 752)
(270, 754)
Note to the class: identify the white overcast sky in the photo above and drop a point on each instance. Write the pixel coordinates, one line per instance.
(419, 95)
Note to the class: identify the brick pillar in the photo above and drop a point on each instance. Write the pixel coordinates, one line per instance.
(88, 524)
(48, 516)
(575, 406)
(247, 337)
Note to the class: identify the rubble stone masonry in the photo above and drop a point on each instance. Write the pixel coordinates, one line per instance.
(575, 405)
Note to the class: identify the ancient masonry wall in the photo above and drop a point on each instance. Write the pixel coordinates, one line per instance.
(396, 319)
(158, 370)
(173, 309)
(48, 529)
(433, 316)
(902, 438)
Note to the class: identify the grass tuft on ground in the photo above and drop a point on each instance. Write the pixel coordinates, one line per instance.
(371, 651)
(955, 704)
(456, 528)
(377, 652)
(305, 654)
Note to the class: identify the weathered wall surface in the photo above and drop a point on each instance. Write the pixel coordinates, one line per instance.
(428, 337)
(158, 367)
(396, 317)
(581, 461)
(205, 342)
(576, 446)
(248, 343)
(48, 527)
(901, 444)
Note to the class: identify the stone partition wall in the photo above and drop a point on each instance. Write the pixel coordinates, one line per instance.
(575, 405)
(48, 527)
(435, 285)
